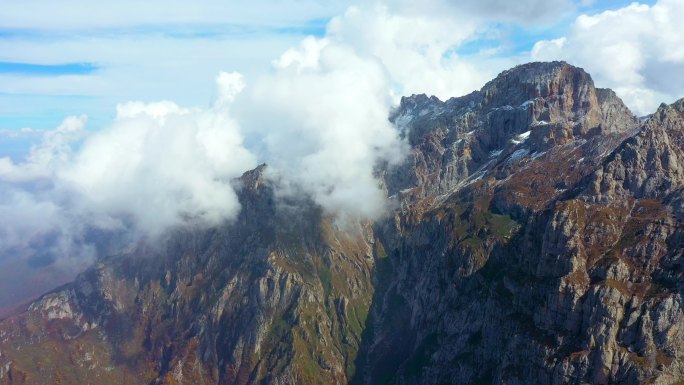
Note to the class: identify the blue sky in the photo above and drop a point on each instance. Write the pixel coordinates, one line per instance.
(72, 63)
(33, 69)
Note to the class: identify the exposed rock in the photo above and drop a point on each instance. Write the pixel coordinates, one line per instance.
(538, 238)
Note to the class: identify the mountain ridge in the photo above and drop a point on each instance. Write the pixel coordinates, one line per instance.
(520, 252)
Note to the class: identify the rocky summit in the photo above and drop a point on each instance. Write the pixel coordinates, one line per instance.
(537, 237)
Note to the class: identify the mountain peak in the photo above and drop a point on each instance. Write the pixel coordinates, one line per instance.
(538, 80)
(671, 111)
(529, 109)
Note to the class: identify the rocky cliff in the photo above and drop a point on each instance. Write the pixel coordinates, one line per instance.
(537, 238)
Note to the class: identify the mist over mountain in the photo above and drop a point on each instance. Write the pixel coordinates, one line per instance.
(342, 192)
(532, 234)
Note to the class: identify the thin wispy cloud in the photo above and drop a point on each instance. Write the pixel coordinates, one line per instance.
(33, 69)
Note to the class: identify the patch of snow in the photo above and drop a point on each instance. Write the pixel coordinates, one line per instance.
(518, 154)
(521, 138)
(403, 120)
(495, 153)
(536, 155)
(478, 177)
(527, 104)
(540, 123)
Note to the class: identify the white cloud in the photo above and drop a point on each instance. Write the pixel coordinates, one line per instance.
(416, 50)
(162, 164)
(45, 158)
(157, 165)
(637, 50)
(327, 125)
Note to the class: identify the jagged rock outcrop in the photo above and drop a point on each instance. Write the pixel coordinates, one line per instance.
(538, 238)
(551, 268)
(650, 163)
(530, 109)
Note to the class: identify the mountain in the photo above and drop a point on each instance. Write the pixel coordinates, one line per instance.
(537, 237)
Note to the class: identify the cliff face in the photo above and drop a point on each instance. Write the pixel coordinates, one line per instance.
(538, 239)
(558, 259)
(280, 296)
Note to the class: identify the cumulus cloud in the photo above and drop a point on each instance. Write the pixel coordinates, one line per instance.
(637, 50)
(161, 164)
(415, 48)
(158, 165)
(328, 125)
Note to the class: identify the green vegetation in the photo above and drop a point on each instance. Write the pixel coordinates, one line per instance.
(475, 229)
(325, 276)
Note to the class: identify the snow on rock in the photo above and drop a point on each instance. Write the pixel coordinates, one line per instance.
(526, 105)
(403, 121)
(518, 154)
(494, 154)
(521, 138)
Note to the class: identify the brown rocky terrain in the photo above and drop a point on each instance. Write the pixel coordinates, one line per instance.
(538, 238)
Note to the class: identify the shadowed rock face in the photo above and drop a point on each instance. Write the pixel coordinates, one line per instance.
(538, 239)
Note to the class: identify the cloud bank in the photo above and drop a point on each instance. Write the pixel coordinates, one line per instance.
(637, 50)
(157, 166)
